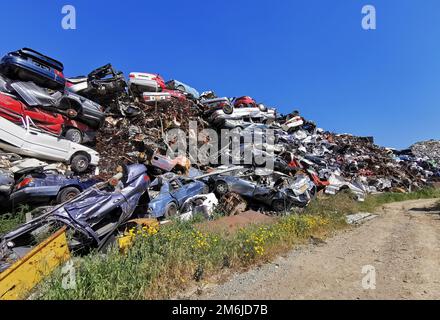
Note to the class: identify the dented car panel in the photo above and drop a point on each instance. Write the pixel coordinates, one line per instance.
(92, 217)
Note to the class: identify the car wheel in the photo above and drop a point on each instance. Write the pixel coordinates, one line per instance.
(72, 113)
(171, 210)
(221, 188)
(67, 194)
(228, 109)
(74, 135)
(279, 205)
(79, 163)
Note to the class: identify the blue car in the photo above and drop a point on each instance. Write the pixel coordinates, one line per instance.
(177, 85)
(29, 65)
(45, 187)
(171, 193)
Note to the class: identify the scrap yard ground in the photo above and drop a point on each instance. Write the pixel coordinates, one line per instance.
(403, 244)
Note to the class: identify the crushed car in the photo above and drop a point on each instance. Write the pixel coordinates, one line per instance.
(169, 192)
(29, 65)
(93, 218)
(180, 86)
(141, 82)
(40, 186)
(30, 141)
(204, 205)
(13, 110)
(284, 193)
(68, 103)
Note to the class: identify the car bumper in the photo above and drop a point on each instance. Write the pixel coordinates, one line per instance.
(34, 192)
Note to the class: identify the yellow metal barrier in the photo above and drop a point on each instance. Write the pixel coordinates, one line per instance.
(27, 272)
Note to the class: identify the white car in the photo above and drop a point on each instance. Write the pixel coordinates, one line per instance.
(144, 82)
(32, 142)
(219, 116)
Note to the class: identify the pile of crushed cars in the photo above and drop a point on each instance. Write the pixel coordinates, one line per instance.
(91, 151)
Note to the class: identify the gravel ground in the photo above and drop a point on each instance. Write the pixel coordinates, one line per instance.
(402, 244)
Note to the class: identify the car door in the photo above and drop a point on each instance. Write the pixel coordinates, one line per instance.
(11, 135)
(242, 187)
(49, 121)
(47, 146)
(192, 187)
(178, 191)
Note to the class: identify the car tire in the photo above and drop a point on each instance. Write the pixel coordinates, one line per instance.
(221, 188)
(279, 205)
(74, 135)
(79, 163)
(67, 194)
(170, 210)
(228, 109)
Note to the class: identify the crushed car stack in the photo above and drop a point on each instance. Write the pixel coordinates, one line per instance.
(123, 124)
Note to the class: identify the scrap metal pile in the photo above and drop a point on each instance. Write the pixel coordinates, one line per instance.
(93, 148)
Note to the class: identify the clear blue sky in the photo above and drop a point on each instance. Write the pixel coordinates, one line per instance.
(311, 55)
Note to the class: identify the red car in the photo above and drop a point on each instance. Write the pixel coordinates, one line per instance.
(245, 102)
(13, 110)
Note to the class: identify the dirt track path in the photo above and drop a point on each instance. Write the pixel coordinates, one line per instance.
(402, 244)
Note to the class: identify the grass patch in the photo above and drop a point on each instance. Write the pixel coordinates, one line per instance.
(10, 221)
(159, 265)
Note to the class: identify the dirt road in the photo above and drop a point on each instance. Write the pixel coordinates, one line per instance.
(402, 245)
